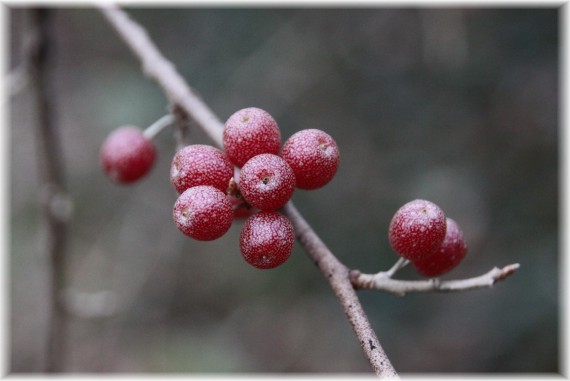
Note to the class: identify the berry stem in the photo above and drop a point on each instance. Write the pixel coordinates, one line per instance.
(400, 264)
(154, 129)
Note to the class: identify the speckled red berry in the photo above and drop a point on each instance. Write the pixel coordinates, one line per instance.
(127, 155)
(267, 182)
(203, 213)
(450, 254)
(417, 229)
(200, 164)
(266, 240)
(314, 157)
(250, 132)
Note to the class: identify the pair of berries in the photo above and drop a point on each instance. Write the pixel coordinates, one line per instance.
(421, 233)
(213, 193)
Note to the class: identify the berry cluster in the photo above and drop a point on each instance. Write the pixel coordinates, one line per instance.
(213, 192)
(267, 179)
(421, 233)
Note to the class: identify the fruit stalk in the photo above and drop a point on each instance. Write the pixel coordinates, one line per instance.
(154, 129)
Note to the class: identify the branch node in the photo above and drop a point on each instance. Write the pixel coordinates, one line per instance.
(353, 276)
(57, 203)
(436, 283)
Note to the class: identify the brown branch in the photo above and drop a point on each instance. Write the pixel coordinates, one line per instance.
(163, 72)
(338, 276)
(383, 281)
(158, 68)
(56, 205)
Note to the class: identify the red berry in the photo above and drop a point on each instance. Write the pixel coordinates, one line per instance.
(250, 132)
(127, 155)
(449, 255)
(417, 229)
(267, 182)
(203, 213)
(314, 157)
(266, 240)
(200, 164)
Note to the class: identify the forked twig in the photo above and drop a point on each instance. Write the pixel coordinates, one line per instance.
(383, 281)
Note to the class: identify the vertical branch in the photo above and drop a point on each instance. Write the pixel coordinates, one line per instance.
(55, 205)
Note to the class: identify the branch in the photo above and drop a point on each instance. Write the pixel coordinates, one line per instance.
(383, 281)
(183, 99)
(338, 276)
(20, 77)
(55, 203)
(163, 72)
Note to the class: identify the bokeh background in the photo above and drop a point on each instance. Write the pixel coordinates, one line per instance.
(458, 106)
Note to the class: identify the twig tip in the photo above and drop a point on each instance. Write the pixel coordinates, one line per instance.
(507, 271)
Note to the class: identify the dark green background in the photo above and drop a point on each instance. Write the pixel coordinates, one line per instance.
(458, 106)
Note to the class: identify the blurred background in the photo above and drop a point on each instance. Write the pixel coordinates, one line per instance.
(458, 106)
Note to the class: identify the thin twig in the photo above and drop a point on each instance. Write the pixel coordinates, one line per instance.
(56, 205)
(382, 281)
(158, 68)
(154, 129)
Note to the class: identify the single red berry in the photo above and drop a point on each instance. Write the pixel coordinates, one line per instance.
(127, 155)
(200, 164)
(417, 229)
(267, 182)
(203, 213)
(266, 240)
(250, 132)
(450, 254)
(314, 157)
